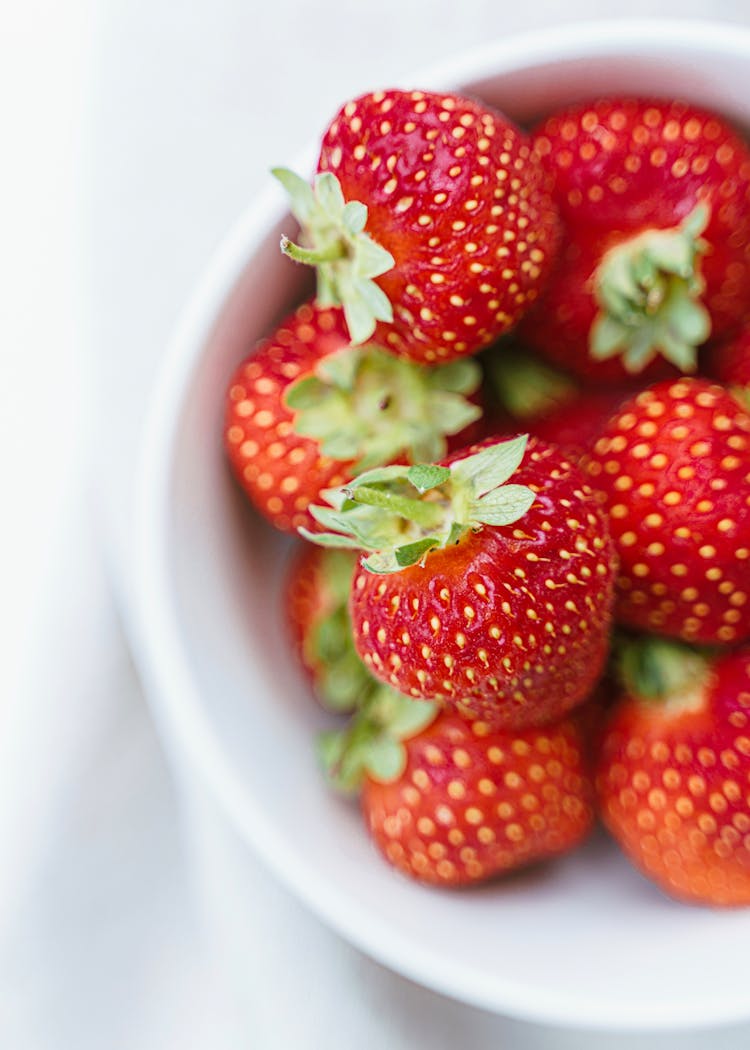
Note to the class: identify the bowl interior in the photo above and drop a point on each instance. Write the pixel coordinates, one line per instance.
(532, 945)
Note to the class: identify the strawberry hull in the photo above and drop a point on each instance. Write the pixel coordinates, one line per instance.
(558, 326)
(307, 411)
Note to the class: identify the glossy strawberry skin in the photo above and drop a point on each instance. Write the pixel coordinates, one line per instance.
(673, 787)
(281, 471)
(471, 804)
(624, 165)
(456, 195)
(673, 471)
(510, 625)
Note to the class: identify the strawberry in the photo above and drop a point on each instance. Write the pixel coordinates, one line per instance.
(316, 597)
(470, 804)
(493, 599)
(655, 198)
(429, 217)
(672, 468)
(305, 412)
(673, 771)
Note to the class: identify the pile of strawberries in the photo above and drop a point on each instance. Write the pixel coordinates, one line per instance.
(513, 427)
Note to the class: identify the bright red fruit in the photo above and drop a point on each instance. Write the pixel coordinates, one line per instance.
(655, 198)
(493, 599)
(673, 470)
(470, 805)
(673, 773)
(459, 227)
(305, 412)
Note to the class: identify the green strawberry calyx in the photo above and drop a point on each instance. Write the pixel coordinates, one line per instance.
(526, 386)
(399, 514)
(372, 744)
(648, 290)
(366, 404)
(663, 672)
(347, 259)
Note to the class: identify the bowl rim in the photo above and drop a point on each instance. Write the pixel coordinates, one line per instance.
(159, 650)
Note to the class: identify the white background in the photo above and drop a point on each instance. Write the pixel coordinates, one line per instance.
(133, 133)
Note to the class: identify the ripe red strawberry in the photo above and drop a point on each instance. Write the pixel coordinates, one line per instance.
(305, 412)
(493, 599)
(469, 804)
(673, 470)
(655, 197)
(316, 599)
(460, 227)
(674, 769)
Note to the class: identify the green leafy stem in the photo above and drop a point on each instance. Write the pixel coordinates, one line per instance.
(648, 290)
(346, 258)
(399, 514)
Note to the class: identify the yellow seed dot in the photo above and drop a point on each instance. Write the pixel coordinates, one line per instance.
(434, 755)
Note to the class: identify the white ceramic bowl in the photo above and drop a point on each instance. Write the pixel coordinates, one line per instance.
(585, 941)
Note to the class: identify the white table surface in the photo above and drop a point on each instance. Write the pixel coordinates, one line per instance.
(142, 129)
